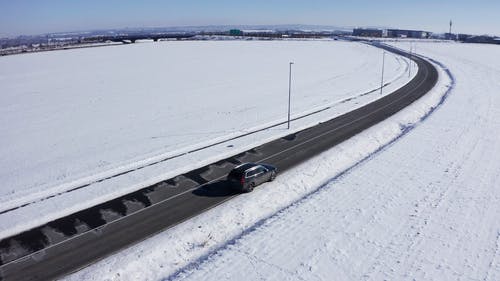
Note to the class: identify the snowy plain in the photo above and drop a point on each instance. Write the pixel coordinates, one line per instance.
(412, 198)
(88, 114)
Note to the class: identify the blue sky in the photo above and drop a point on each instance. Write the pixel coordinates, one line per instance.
(43, 16)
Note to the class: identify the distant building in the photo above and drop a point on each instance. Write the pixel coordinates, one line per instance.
(401, 33)
(392, 33)
(367, 32)
(235, 32)
(463, 37)
(485, 39)
(450, 36)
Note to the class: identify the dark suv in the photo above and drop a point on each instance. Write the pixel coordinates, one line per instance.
(246, 177)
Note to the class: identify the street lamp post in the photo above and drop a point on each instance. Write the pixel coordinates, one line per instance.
(382, 79)
(289, 92)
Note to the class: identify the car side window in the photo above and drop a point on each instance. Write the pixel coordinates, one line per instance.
(251, 173)
(260, 170)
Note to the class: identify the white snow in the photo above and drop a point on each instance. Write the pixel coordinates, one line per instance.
(412, 198)
(70, 118)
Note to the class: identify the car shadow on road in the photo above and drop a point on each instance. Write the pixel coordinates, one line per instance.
(220, 188)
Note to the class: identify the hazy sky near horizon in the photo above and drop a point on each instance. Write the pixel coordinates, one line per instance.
(44, 16)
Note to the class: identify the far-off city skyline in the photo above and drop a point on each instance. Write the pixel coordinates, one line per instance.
(36, 17)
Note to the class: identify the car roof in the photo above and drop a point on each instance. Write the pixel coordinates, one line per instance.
(245, 166)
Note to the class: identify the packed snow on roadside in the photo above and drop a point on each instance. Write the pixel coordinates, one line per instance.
(412, 198)
(71, 118)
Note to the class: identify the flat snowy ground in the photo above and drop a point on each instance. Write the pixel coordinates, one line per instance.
(425, 206)
(71, 118)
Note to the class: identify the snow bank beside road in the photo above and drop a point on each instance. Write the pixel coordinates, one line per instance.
(188, 246)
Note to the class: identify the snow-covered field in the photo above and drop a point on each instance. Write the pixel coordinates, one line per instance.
(71, 118)
(413, 198)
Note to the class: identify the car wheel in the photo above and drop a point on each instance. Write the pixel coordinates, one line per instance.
(273, 176)
(251, 187)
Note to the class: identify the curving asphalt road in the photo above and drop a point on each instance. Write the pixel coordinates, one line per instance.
(75, 241)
